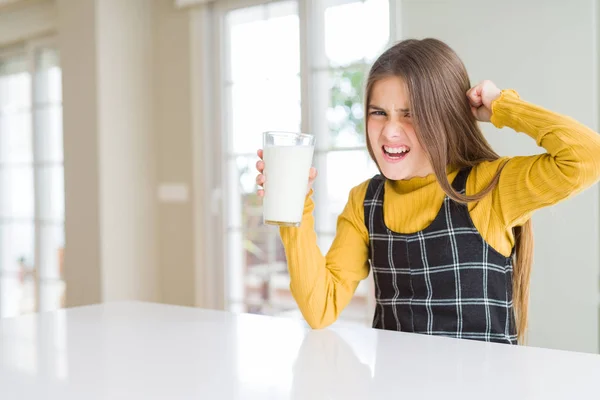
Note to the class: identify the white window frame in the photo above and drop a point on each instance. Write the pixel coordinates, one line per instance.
(208, 60)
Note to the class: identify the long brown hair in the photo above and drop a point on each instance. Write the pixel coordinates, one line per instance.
(437, 83)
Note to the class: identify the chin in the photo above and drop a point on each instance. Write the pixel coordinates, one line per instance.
(394, 174)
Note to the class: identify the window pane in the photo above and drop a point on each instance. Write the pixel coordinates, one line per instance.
(17, 296)
(15, 137)
(16, 192)
(358, 309)
(282, 104)
(49, 133)
(255, 252)
(243, 211)
(345, 114)
(51, 193)
(48, 82)
(260, 106)
(325, 241)
(247, 121)
(24, 157)
(254, 256)
(283, 33)
(265, 92)
(345, 170)
(52, 246)
(262, 93)
(356, 31)
(376, 25)
(247, 58)
(264, 42)
(263, 258)
(52, 295)
(16, 247)
(15, 84)
(235, 267)
(244, 207)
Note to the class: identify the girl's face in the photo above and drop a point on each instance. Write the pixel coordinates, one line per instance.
(391, 135)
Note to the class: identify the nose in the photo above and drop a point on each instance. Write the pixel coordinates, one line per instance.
(393, 130)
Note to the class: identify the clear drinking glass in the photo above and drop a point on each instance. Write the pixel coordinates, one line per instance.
(288, 157)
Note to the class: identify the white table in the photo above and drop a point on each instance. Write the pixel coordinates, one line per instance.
(148, 351)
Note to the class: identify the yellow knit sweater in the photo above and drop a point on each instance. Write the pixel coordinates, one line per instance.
(323, 285)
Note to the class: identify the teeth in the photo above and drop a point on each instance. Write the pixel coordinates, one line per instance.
(396, 150)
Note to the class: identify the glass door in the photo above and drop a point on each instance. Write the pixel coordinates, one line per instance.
(292, 66)
(31, 181)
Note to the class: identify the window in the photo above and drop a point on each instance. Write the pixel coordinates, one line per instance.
(31, 181)
(292, 66)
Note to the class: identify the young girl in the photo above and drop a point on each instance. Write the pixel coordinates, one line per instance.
(446, 226)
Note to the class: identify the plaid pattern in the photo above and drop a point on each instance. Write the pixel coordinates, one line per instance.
(444, 280)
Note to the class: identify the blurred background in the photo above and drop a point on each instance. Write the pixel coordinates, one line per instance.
(129, 130)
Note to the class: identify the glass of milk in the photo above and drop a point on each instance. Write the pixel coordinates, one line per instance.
(288, 158)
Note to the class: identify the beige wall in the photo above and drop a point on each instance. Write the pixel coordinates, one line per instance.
(126, 129)
(560, 75)
(173, 119)
(26, 19)
(77, 38)
(126, 149)
(110, 155)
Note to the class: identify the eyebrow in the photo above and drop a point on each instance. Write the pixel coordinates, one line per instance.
(374, 107)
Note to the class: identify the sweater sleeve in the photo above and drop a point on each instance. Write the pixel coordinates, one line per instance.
(323, 285)
(571, 162)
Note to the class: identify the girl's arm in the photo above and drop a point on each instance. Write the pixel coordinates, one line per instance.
(323, 285)
(571, 162)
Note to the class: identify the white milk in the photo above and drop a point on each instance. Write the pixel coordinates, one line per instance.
(286, 182)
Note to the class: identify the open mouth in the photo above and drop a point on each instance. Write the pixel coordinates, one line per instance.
(395, 153)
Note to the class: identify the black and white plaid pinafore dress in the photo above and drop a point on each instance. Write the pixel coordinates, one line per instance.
(443, 280)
